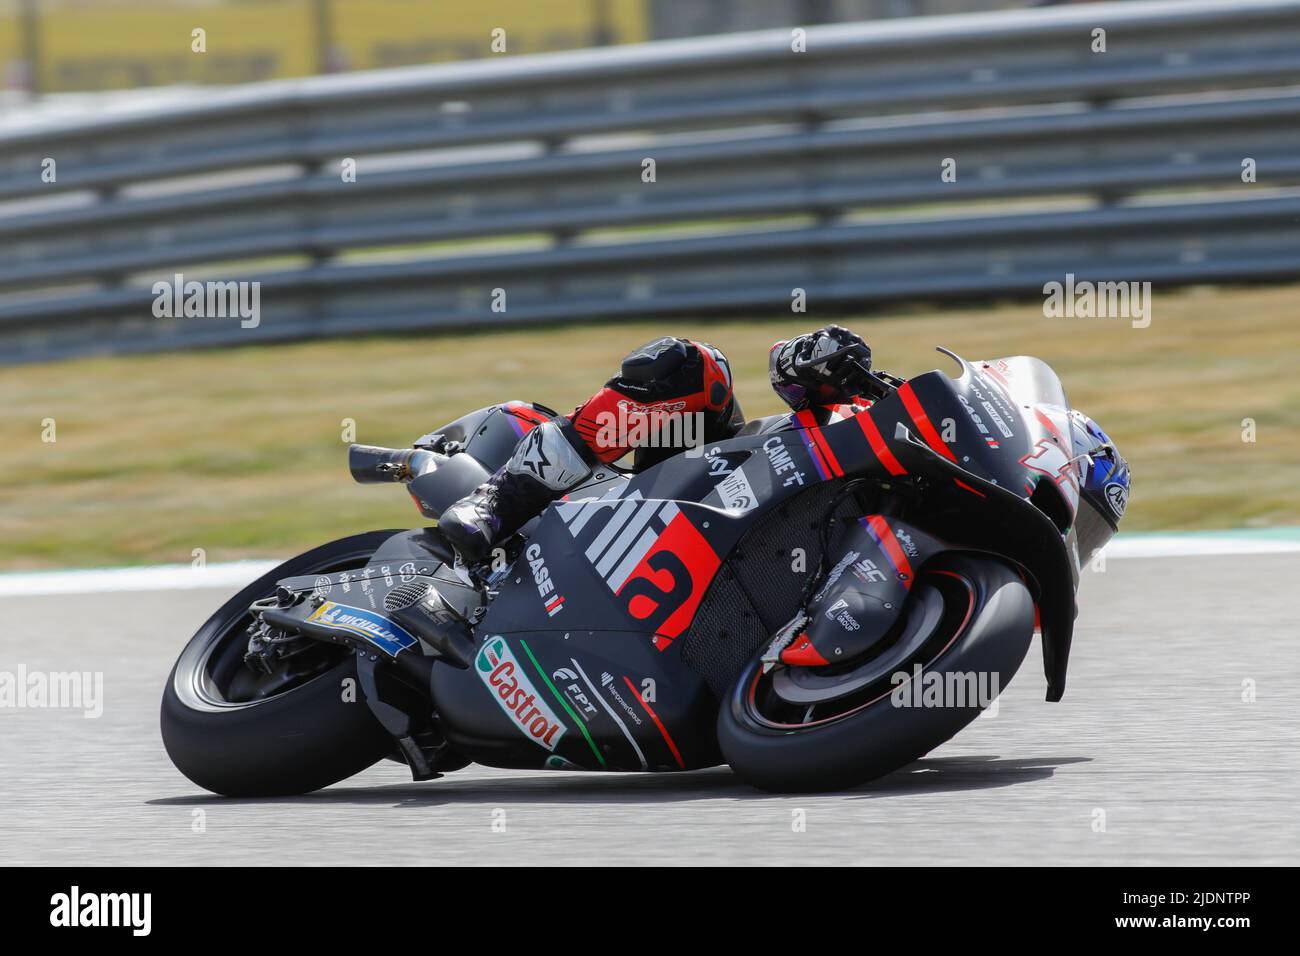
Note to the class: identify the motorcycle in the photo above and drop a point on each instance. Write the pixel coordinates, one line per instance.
(775, 601)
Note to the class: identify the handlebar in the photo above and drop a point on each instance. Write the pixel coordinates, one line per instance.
(860, 375)
(828, 357)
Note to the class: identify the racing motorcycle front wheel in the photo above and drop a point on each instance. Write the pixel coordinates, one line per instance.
(967, 624)
(239, 732)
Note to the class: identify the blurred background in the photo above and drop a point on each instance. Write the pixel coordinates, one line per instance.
(447, 204)
(75, 46)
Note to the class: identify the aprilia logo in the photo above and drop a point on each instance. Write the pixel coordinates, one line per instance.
(625, 531)
(650, 555)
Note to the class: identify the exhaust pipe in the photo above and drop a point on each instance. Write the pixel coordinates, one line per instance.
(370, 464)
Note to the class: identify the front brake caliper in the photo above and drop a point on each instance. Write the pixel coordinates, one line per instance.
(268, 644)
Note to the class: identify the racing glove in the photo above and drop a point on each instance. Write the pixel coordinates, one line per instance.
(801, 380)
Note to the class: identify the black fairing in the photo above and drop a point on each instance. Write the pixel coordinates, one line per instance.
(1006, 524)
(595, 647)
(976, 498)
(1018, 493)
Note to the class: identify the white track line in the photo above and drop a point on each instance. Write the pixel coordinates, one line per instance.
(1193, 546)
(165, 577)
(234, 575)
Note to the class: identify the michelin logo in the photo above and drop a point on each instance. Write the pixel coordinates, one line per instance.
(375, 628)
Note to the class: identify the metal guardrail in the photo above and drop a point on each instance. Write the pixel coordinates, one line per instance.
(740, 128)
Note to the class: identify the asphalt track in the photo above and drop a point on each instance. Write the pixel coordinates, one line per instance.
(1153, 733)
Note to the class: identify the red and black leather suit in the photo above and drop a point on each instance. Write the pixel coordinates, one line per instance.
(666, 378)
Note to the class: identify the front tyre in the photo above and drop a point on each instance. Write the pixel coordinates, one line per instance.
(967, 614)
(243, 734)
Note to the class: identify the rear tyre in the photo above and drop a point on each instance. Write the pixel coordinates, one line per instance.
(242, 734)
(984, 625)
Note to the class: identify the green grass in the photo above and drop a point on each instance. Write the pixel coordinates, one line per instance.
(239, 451)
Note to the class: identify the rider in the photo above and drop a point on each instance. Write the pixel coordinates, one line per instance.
(668, 375)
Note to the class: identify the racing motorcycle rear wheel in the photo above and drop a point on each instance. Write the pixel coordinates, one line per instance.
(828, 728)
(242, 733)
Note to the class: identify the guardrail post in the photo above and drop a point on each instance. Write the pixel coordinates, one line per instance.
(107, 194)
(329, 58)
(319, 256)
(1100, 103)
(31, 47)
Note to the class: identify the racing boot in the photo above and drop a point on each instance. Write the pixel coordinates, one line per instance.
(551, 459)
